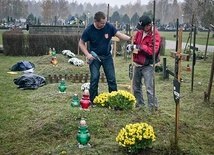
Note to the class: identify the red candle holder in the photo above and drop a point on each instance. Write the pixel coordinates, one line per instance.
(85, 101)
(188, 67)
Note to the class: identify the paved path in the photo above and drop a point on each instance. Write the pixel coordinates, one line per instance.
(172, 45)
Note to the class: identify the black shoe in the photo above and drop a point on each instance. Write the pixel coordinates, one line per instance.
(92, 105)
(153, 109)
(139, 105)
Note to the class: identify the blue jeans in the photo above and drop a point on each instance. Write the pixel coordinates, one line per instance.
(108, 68)
(145, 72)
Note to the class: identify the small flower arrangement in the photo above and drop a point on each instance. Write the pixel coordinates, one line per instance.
(120, 99)
(102, 100)
(136, 137)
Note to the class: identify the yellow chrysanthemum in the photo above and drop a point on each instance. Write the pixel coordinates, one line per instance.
(117, 99)
(101, 99)
(134, 134)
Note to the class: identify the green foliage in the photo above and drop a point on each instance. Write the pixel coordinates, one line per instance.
(148, 13)
(14, 42)
(134, 19)
(102, 100)
(121, 100)
(18, 43)
(126, 19)
(118, 100)
(39, 44)
(30, 19)
(115, 17)
(201, 37)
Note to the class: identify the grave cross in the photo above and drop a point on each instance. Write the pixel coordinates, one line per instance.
(194, 58)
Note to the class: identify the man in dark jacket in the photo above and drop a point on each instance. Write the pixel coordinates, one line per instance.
(99, 35)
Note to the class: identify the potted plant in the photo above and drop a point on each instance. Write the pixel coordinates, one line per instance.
(136, 137)
(102, 100)
(118, 100)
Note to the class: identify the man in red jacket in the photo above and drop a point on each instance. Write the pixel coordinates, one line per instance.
(143, 60)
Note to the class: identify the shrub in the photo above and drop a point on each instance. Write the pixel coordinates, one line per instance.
(118, 100)
(135, 137)
(14, 42)
(102, 100)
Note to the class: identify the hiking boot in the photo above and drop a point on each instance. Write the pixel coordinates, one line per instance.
(139, 105)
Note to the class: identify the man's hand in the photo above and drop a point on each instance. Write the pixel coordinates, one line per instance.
(89, 58)
(130, 48)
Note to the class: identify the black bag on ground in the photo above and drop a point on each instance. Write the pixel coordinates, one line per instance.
(22, 66)
(30, 81)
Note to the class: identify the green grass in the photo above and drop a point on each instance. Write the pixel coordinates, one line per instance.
(42, 121)
(201, 37)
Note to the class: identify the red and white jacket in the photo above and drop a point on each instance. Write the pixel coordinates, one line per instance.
(145, 53)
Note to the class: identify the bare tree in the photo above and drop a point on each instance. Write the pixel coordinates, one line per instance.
(134, 19)
(175, 10)
(47, 12)
(190, 9)
(54, 10)
(34, 8)
(167, 11)
(60, 9)
(3, 9)
(208, 16)
(14, 9)
(162, 10)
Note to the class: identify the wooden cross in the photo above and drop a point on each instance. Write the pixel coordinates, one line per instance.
(177, 80)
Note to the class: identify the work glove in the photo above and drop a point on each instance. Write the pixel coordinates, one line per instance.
(130, 48)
